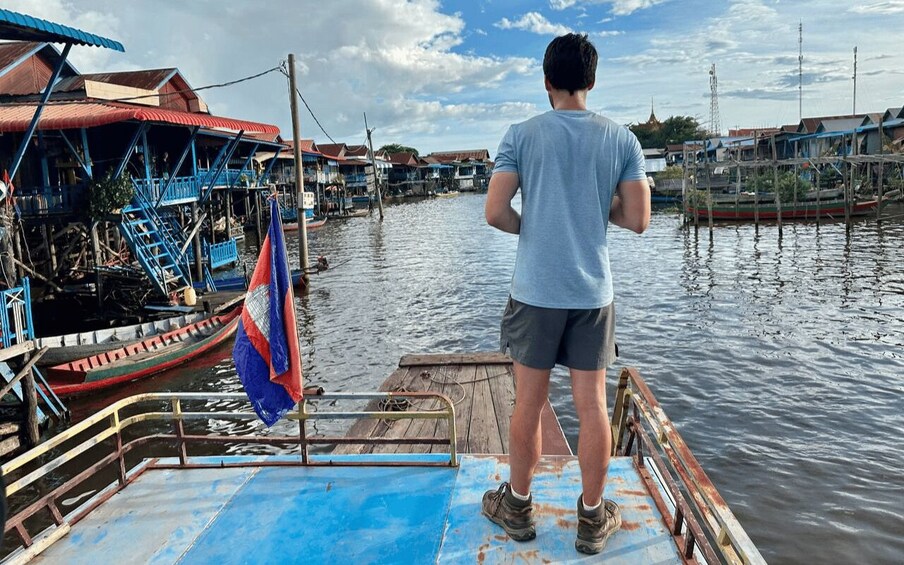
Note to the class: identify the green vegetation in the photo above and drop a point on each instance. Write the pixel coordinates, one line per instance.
(109, 194)
(790, 186)
(398, 148)
(676, 129)
(670, 172)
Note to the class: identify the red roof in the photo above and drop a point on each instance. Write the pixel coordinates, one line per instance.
(16, 117)
(473, 154)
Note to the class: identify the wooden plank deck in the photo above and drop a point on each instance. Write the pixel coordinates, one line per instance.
(482, 387)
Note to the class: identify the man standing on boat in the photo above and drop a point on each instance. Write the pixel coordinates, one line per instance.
(577, 171)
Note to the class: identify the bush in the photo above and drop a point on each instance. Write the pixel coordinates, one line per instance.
(109, 193)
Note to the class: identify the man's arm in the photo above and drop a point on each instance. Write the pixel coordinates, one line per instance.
(499, 211)
(631, 205)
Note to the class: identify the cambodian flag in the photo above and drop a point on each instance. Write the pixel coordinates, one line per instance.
(266, 345)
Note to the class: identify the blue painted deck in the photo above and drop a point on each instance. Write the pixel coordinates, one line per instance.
(353, 515)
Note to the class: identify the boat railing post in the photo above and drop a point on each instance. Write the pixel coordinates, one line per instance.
(180, 430)
(302, 430)
(453, 436)
(619, 411)
(120, 456)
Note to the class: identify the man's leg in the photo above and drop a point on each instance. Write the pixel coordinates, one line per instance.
(595, 436)
(525, 438)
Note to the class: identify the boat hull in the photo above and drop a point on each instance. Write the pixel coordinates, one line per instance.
(311, 225)
(804, 211)
(127, 364)
(69, 347)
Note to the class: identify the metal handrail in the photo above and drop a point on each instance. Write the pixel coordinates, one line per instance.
(116, 422)
(666, 450)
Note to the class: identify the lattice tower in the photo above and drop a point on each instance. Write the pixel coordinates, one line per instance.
(715, 122)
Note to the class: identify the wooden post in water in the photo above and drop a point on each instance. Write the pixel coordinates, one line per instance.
(373, 163)
(818, 195)
(684, 183)
(709, 198)
(737, 198)
(879, 187)
(30, 399)
(756, 170)
(257, 218)
(196, 241)
(778, 200)
(299, 177)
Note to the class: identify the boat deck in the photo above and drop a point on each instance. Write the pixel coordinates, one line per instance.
(480, 385)
(344, 514)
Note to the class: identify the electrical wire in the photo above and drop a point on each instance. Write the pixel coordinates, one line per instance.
(163, 94)
(285, 72)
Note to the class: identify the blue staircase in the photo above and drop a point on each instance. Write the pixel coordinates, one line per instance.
(154, 246)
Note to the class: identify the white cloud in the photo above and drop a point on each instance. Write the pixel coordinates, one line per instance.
(618, 7)
(884, 8)
(533, 22)
(401, 66)
(610, 33)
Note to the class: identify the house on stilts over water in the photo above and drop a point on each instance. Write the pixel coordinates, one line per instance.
(128, 189)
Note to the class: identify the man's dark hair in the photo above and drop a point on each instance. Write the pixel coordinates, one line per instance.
(570, 62)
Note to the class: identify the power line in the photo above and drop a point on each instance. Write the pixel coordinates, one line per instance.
(283, 70)
(162, 94)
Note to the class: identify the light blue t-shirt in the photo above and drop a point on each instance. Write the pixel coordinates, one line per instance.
(569, 163)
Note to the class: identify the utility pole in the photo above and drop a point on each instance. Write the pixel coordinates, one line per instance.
(855, 81)
(299, 177)
(800, 70)
(373, 163)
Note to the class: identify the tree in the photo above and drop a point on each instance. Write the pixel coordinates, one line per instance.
(676, 129)
(398, 148)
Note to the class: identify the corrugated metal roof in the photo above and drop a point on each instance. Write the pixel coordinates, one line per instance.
(14, 51)
(16, 117)
(21, 27)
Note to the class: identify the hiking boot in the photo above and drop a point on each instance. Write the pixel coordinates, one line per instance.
(515, 516)
(595, 527)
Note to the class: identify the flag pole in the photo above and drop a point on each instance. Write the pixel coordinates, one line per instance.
(299, 177)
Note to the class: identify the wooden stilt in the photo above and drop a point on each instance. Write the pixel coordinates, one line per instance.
(196, 241)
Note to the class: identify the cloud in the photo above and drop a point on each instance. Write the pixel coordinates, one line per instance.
(533, 22)
(883, 8)
(402, 67)
(610, 33)
(619, 7)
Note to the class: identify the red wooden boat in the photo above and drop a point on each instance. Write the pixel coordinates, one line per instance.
(311, 224)
(802, 211)
(142, 359)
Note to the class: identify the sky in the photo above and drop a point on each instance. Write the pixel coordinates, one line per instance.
(446, 75)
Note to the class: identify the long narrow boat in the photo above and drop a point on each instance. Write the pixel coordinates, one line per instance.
(69, 347)
(143, 358)
(314, 223)
(239, 282)
(192, 497)
(802, 211)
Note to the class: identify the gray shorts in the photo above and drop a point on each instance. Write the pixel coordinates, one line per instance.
(543, 337)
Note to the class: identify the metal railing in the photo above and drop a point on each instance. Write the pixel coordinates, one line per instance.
(641, 429)
(98, 444)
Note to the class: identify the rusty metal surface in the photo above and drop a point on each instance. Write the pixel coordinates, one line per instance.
(724, 539)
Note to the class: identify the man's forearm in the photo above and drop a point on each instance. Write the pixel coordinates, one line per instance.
(616, 213)
(508, 220)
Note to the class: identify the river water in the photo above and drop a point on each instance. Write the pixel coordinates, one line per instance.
(781, 360)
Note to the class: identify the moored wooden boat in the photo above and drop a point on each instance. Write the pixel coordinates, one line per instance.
(239, 282)
(313, 223)
(143, 358)
(69, 347)
(801, 211)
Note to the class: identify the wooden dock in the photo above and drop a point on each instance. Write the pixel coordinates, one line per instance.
(482, 388)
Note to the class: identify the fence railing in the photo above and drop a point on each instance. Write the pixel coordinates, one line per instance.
(15, 316)
(181, 190)
(221, 254)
